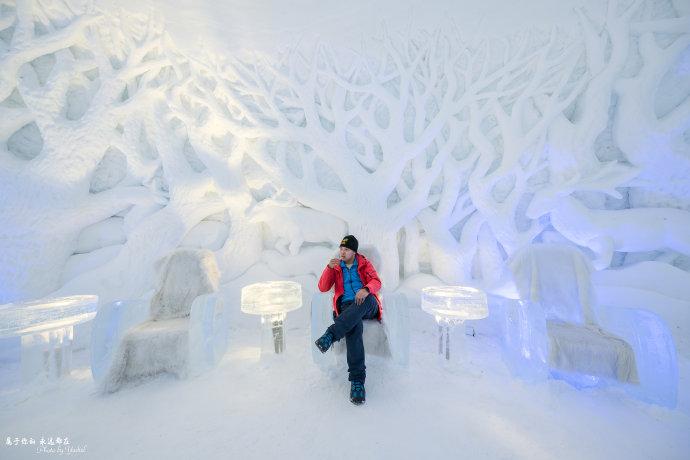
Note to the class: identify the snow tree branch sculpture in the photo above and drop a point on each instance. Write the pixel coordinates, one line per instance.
(66, 93)
(482, 196)
(339, 140)
(653, 144)
(471, 149)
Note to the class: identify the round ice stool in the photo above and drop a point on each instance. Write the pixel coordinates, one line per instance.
(44, 329)
(272, 300)
(453, 305)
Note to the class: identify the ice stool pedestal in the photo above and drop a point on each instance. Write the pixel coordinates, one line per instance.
(452, 305)
(272, 300)
(45, 330)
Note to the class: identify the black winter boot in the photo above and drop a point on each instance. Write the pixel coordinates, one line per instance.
(324, 342)
(357, 393)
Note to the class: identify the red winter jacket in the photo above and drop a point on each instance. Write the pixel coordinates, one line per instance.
(367, 273)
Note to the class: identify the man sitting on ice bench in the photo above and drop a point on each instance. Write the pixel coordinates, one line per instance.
(356, 285)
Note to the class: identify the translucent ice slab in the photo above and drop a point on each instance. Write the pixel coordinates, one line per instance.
(36, 337)
(272, 300)
(42, 315)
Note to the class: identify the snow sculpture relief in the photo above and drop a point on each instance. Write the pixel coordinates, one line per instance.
(89, 140)
(67, 83)
(295, 225)
(445, 152)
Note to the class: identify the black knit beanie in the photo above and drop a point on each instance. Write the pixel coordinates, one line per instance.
(350, 242)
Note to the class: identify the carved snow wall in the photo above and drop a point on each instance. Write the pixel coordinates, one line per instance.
(445, 152)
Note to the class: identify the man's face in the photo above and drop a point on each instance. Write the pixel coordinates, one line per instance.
(347, 254)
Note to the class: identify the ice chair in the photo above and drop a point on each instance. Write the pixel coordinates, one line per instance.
(181, 330)
(557, 330)
(389, 338)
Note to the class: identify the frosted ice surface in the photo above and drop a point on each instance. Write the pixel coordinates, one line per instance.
(272, 300)
(396, 323)
(111, 323)
(271, 297)
(45, 314)
(655, 352)
(208, 333)
(457, 303)
(525, 343)
(36, 337)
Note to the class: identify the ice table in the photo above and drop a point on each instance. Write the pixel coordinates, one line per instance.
(44, 329)
(272, 300)
(451, 305)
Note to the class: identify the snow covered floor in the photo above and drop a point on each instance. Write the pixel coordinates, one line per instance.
(285, 406)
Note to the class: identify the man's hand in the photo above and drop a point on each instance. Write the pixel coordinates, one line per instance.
(361, 295)
(333, 262)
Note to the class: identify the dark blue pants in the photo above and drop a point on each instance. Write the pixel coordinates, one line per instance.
(348, 324)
